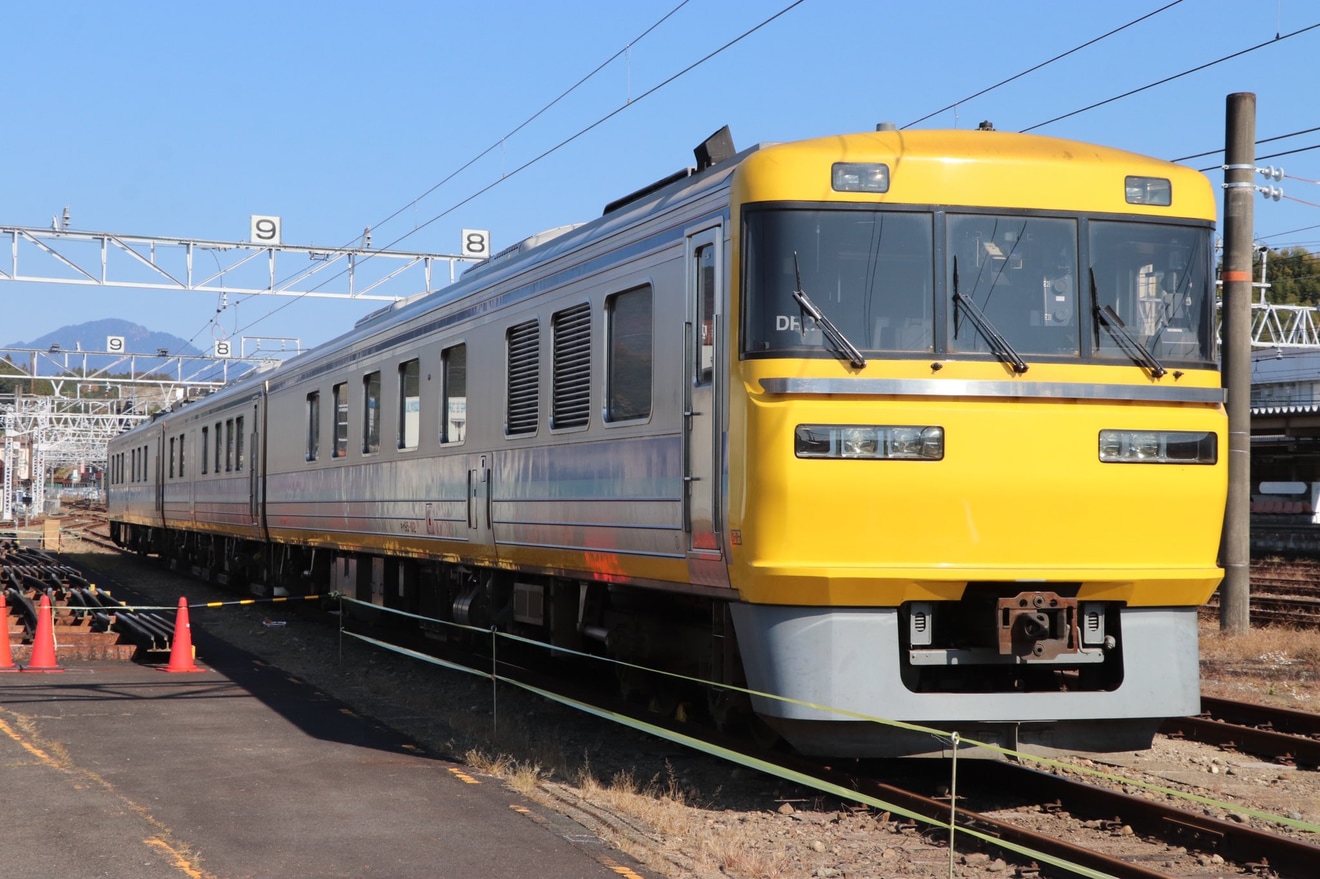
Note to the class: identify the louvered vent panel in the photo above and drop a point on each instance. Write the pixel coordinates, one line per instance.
(571, 401)
(524, 345)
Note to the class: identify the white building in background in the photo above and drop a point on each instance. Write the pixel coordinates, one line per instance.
(16, 484)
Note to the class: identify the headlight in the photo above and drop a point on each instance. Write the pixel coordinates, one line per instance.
(1158, 447)
(859, 177)
(1148, 190)
(868, 441)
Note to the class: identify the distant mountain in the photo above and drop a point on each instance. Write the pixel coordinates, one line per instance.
(91, 336)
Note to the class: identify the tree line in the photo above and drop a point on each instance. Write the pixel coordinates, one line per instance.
(1293, 274)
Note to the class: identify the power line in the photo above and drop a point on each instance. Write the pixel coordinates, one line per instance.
(1210, 168)
(1258, 143)
(1044, 63)
(1168, 79)
(466, 164)
(571, 138)
(1290, 232)
(530, 119)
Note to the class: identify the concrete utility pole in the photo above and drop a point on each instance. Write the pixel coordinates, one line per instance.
(1239, 187)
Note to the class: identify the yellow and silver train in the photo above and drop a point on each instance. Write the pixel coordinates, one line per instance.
(924, 426)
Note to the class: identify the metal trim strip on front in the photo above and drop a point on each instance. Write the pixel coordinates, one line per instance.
(902, 387)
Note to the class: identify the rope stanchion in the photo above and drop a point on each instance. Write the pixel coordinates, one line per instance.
(953, 797)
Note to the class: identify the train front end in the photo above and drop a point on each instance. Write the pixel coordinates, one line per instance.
(977, 444)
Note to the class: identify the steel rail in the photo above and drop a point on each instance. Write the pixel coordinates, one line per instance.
(1243, 845)
(1277, 733)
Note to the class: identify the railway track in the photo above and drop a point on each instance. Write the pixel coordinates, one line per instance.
(1289, 737)
(1282, 593)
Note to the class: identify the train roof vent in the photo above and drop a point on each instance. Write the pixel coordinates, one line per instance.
(711, 151)
(386, 309)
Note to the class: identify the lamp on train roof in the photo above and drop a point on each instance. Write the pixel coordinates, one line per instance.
(1148, 190)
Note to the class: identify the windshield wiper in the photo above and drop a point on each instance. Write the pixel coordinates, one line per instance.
(999, 346)
(1130, 345)
(832, 332)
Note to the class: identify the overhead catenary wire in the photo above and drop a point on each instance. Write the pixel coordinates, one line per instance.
(418, 227)
(469, 163)
(1030, 70)
(530, 119)
(1258, 143)
(631, 102)
(1276, 39)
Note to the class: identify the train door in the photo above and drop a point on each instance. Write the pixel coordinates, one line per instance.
(254, 462)
(701, 468)
(158, 474)
(478, 504)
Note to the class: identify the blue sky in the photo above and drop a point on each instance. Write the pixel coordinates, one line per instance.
(184, 119)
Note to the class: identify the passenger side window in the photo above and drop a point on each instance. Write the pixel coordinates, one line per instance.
(371, 413)
(704, 344)
(628, 365)
(341, 420)
(238, 443)
(453, 406)
(313, 425)
(409, 404)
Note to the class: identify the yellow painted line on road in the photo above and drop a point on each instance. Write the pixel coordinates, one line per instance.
(29, 747)
(180, 861)
(459, 773)
(621, 870)
(50, 754)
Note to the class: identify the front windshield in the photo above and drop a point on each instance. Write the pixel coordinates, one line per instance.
(872, 272)
(1022, 273)
(1154, 278)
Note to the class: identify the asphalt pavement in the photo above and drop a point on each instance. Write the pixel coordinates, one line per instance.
(241, 772)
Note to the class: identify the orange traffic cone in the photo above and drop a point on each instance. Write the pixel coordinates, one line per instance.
(181, 650)
(43, 646)
(6, 655)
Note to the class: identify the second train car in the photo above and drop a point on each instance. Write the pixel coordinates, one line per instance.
(920, 425)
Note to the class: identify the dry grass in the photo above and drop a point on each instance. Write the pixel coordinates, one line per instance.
(1277, 665)
(714, 843)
